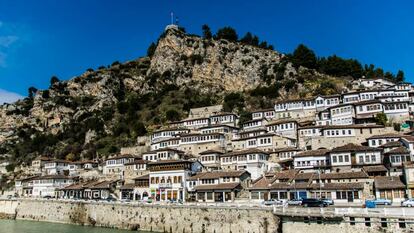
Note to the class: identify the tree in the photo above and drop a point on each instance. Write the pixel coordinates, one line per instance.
(400, 77)
(303, 56)
(206, 32)
(151, 49)
(381, 118)
(233, 100)
(379, 73)
(54, 80)
(32, 91)
(247, 39)
(45, 94)
(172, 115)
(227, 33)
(70, 157)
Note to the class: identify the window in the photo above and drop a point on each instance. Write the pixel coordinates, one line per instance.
(334, 159)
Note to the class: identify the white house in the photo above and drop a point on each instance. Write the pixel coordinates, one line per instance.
(252, 160)
(168, 178)
(312, 160)
(49, 185)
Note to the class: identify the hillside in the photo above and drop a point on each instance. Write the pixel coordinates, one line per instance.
(100, 111)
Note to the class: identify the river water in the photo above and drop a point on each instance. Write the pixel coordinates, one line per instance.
(20, 226)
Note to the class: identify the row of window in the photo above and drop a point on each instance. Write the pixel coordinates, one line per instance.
(243, 158)
(340, 158)
(168, 179)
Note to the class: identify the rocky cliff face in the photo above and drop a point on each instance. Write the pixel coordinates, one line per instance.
(212, 63)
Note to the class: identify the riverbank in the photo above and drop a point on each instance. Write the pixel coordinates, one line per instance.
(154, 218)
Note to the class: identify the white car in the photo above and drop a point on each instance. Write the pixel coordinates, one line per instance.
(408, 203)
(295, 202)
(273, 202)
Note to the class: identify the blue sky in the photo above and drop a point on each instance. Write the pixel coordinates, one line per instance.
(42, 38)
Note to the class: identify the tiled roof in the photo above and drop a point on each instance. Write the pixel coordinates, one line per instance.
(398, 150)
(281, 121)
(52, 177)
(263, 110)
(206, 152)
(222, 186)
(388, 182)
(375, 168)
(391, 144)
(388, 135)
(163, 149)
(343, 175)
(367, 102)
(245, 152)
(285, 149)
(350, 147)
(310, 153)
(261, 183)
(256, 136)
(144, 177)
(337, 186)
(217, 174)
(170, 161)
(408, 138)
(126, 156)
(137, 162)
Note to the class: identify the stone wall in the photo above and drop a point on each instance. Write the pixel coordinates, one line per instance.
(147, 217)
(339, 225)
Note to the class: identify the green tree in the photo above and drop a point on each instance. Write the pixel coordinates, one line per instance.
(32, 91)
(381, 118)
(54, 80)
(10, 167)
(227, 33)
(206, 32)
(232, 101)
(139, 129)
(379, 73)
(247, 39)
(400, 77)
(397, 126)
(172, 115)
(45, 94)
(388, 75)
(151, 49)
(303, 56)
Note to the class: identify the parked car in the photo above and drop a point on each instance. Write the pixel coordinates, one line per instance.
(408, 203)
(313, 202)
(295, 202)
(382, 201)
(328, 201)
(272, 202)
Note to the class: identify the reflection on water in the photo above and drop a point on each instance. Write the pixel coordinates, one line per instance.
(20, 226)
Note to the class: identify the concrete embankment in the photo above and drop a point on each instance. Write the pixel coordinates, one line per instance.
(144, 217)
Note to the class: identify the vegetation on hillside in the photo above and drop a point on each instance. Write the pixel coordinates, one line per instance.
(103, 131)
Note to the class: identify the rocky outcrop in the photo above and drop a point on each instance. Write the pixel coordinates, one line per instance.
(220, 64)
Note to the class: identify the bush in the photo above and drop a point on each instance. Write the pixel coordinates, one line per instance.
(233, 100)
(381, 118)
(45, 94)
(54, 80)
(172, 115)
(10, 167)
(227, 33)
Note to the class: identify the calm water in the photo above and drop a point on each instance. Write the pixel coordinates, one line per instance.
(20, 226)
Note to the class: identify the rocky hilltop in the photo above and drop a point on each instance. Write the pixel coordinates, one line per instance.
(98, 112)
